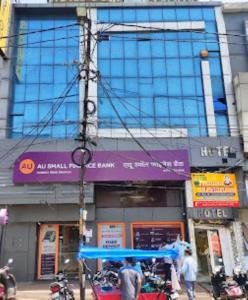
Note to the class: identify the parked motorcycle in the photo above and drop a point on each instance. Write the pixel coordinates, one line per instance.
(224, 289)
(241, 279)
(7, 282)
(154, 283)
(60, 289)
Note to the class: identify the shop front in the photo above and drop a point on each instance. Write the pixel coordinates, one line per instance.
(133, 200)
(215, 199)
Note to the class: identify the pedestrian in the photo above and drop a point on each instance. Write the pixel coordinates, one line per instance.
(189, 271)
(129, 280)
(167, 262)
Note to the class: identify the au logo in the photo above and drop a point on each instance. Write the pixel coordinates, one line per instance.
(27, 166)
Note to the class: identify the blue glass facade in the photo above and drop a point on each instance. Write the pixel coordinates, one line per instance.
(154, 79)
(45, 64)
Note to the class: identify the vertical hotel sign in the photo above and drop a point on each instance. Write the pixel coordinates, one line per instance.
(5, 10)
(214, 190)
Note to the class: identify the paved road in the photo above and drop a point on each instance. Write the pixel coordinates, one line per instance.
(40, 291)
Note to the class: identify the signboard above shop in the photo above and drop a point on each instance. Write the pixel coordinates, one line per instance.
(214, 190)
(48, 167)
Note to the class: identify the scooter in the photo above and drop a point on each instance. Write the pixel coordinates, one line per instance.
(223, 289)
(241, 279)
(7, 282)
(60, 289)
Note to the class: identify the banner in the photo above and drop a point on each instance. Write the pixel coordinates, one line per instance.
(45, 167)
(214, 190)
(5, 12)
(111, 235)
(48, 251)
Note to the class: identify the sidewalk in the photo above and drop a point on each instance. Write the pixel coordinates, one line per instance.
(40, 291)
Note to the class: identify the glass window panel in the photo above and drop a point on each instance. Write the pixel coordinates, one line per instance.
(131, 68)
(176, 107)
(208, 14)
(131, 85)
(156, 14)
(187, 66)
(19, 92)
(142, 15)
(32, 74)
(104, 67)
(47, 56)
(60, 114)
(31, 113)
(176, 122)
(30, 55)
(158, 49)
(130, 49)
(18, 109)
(172, 67)
(115, 15)
(217, 87)
(144, 49)
(46, 74)
(117, 67)
(129, 15)
(185, 49)
(193, 126)
(60, 38)
(215, 67)
(221, 124)
(188, 86)
(117, 49)
(32, 92)
(145, 68)
(159, 68)
(117, 85)
(201, 107)
(61, 56)
(103, 15)
(169, 14)
(190, 107)
(174, 86)
(160, 87)
(47, 39)
(171, 49)
(182, 14)
(146, 90)
(34, 39)
(46, 91)
(60, 74)
(161, 106)
(195, 14)
(104, 49)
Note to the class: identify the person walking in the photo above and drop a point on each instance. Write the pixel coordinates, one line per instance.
(189, 271)
(129, 280)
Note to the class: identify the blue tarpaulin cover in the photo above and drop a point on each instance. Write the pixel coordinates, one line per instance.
(120, 253)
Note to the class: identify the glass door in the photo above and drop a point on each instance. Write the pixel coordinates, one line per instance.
(68, 249)
(215, 250)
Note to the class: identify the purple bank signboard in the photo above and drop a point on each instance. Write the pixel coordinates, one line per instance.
(45, 167)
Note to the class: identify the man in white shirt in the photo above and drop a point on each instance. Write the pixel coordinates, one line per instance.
(189, 270)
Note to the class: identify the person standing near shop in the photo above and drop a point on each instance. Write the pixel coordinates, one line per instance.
(167, 261)
(189, 271)
(129, 280)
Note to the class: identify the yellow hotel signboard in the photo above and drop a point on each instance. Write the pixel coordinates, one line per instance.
(5, 10)
(214, 190)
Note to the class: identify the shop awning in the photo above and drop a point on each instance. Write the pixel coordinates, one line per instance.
(120, 253)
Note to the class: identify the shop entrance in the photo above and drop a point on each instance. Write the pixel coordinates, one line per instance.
(214, 248)
(57, 242)
(209, 251)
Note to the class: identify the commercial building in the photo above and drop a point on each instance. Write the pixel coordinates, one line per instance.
(165, 110)
(236, 17)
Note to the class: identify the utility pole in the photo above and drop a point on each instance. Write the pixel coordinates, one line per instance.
(82, 155)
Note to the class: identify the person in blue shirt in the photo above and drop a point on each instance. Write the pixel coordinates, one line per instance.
(129, 280)
(189, 271)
